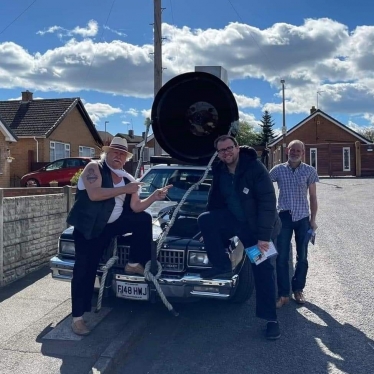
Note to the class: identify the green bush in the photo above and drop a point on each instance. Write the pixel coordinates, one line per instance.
(74, 180)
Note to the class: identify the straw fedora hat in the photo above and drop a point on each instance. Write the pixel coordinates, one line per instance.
(119, 144)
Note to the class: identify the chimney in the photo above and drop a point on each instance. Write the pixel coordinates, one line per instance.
(131, 133)
(27, 96)
(313, 109)
(143, 134)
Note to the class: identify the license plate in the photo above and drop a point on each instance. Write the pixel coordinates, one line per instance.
(134, 291)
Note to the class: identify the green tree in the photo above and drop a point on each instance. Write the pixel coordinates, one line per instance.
(247, 135)
(267, 133)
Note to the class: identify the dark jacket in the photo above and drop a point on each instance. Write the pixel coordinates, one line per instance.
(90, 217)
(256, 193)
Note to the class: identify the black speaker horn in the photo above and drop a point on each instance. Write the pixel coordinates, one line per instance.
(189, 112)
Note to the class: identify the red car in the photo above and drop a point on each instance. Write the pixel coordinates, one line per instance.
(60, 170)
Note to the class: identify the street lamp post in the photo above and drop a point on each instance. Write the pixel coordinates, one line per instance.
(284, 129)
(106, 135)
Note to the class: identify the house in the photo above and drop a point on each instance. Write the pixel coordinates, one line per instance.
(331, 147)
(7, 137)
(43, 130)
(133, 142)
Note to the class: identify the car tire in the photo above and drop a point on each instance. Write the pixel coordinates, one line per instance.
(32, 183)
(246, 285)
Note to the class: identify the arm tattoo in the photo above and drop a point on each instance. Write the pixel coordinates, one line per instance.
(91, 176)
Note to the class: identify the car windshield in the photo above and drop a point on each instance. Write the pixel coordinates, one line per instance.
(181, 179)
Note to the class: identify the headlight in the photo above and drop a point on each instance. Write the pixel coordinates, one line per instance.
(67, 247)
(156, 231)
(198, 259)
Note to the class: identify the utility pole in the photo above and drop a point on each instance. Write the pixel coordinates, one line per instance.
(284, 128)
(157, 57)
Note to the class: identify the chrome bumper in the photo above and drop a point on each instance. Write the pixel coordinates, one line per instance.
(186, 286)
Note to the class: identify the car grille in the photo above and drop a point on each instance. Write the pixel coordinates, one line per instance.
(170, 259)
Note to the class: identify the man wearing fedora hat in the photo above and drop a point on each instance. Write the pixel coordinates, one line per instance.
(107, 204)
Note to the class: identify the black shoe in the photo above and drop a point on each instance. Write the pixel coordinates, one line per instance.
(214, 271)
(272, 331)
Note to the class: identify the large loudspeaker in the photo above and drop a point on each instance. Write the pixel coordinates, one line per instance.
(189, 112)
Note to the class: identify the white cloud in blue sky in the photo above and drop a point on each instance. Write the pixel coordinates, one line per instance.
(104, 55)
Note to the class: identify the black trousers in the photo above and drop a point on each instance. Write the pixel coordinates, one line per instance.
(217, 226)
(89, 252)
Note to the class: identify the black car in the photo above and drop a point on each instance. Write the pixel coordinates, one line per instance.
(182, 254)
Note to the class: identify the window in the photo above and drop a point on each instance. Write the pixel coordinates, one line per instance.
(346, 159)
(1, 163)
(181, 179)
(58, 150)
(313, 157)
(86, 151)
(55, 165)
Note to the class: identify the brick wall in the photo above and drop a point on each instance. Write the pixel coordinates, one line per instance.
(30, 227)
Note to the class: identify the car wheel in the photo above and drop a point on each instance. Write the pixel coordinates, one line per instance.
(32, 183)
(245, 287)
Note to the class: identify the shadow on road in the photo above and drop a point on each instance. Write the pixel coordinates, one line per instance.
(13, 288)
(214, 337)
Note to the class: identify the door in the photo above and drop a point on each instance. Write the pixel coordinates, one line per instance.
(313, 159)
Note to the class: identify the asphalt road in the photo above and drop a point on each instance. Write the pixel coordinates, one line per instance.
(332, 333)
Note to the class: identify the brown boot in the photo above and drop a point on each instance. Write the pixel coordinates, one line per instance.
(283, 300)
(79, 327)
(137, 269)
(299, 297)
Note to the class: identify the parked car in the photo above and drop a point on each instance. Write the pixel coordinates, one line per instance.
(182, 254)
(61, 170)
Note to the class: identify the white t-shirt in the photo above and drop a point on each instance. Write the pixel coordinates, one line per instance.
(119, 200)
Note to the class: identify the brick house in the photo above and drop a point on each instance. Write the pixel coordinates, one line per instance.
(331, 147)
(7, 137)
(43, 131)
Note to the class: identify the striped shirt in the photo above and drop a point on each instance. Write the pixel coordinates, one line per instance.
(293, 187)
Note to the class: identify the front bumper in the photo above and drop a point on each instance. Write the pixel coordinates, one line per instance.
(188, 285)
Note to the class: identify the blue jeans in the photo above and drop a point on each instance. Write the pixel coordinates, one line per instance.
(300, 229)
(217, 227)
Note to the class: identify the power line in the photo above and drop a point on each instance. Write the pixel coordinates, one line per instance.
(6, 27)
(250, 34)
(101, 38)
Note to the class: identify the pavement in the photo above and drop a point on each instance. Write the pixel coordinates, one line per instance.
(35, 333)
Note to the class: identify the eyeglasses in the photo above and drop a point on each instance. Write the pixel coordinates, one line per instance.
(223, 150)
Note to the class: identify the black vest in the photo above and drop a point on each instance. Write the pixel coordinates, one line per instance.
(90, 217)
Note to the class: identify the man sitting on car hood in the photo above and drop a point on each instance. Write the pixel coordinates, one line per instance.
(107, 204)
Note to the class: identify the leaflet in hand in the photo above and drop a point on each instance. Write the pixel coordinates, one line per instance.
(256, 256)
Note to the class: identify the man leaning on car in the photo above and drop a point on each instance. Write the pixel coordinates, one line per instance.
(107, 204)
(242, 203)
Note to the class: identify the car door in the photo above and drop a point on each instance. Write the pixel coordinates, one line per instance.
(53, 172)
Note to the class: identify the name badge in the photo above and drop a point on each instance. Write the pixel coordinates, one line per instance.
(246, 190)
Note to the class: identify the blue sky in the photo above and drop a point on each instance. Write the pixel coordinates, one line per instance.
(100, 51)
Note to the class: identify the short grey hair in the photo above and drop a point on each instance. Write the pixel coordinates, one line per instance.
(296, 142)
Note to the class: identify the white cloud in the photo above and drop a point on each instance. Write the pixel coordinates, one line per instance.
(146, 113)
(90, 30)
(320, 54)
(132, 112)
(247, 102)
(98, 111)
(119, 33)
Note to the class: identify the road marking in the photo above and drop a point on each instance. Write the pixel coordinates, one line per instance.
(371, 345)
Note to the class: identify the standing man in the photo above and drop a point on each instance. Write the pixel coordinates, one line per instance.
(242, 203)
(294, 179)
(107, 204)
